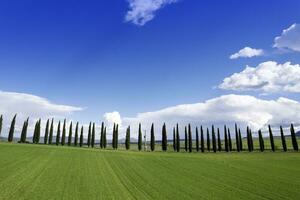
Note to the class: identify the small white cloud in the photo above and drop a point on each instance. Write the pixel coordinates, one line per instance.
(267, 77)
(111, 118)
(289, 38)
(247, 52)
(142, 11)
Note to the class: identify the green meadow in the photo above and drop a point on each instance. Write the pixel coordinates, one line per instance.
(49, 172)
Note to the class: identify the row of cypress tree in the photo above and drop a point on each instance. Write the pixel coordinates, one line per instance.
(188, 140)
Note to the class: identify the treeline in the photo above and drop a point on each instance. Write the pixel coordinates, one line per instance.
(213, 141)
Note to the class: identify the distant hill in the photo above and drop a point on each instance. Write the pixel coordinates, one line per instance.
(298, 134)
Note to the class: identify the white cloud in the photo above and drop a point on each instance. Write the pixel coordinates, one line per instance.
(289, 38)
(111, 118)
(267, 77)
(247, 52)
(142, 11)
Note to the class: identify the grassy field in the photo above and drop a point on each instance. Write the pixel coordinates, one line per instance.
(50, 172)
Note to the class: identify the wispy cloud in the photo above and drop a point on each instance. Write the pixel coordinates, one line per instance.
(142, 11)
(247, 52)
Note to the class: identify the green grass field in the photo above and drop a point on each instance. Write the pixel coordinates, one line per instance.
(50, 172)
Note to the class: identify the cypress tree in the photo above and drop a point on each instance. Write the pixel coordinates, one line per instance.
(46, 132)
(24, 131)
(114, 137)
(251, 141)
(152, 138)
(261, 141)
(185, 139)
(202, 139)
(81, 137)
(208, 140)
(226, 139)
(12, 129)
(104, 139)
(117, 134)
(174, 139)
(229, 140)
(63, 136)
(237, 139)
(248, 139)
(51, 133)
(213, 135)
(102, 135)
(219, 141)
(197, 139)
(38, 132)
(1, 122)
(89, 135)
(58, 134)
(177, 139)
(93, 136)
(35, 133)
(283, 139)
(140, 138)
(271, 139)
(240, 140)
(294, 138)
(164, 138)
(76, 135)
(70, 134)
(190, 139)
(127, 140)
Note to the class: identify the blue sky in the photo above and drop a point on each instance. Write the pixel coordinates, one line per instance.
(85, 54)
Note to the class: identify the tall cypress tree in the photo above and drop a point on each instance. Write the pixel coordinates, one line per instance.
(261, 141)
(46, 132)
(24, 131)
(248, 139)
(197, 139)
(185, 139)
(207, 140)
(1, 122)
(76, 135)
(51, 132)
(213, 135)
(58, 134)
(240, 140)
(12, 129)
(294, 138)
(81, 137)
(93, 136)
(190, 139)
(164, 138)
(104, 139)
(70, 134)
(127, 139)
(63, 136)
(117, 135)
(251, 141)
(89, 135)
(174, 139)
(226, 139)
(140, 138)
(177, 139)
(202, 139)
(219, 141)
(101, 135)
(35, 133)
(38, 132)
(229, 140)
(271, 139)
(237, 138)
(152, 138)
(283, 139)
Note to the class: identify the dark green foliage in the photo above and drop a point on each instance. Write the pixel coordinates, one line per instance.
(251, 141)
(229, 140)
(51, 132)
(76, 135)
(226, 139)
(140, 138)
(24, 131)
(127, 139)
(261, 141)
(114, 137)
(241, 141)
(202, 139)
(152, 142)
(46, 132)
(102, 135)
(104, 139)
(70, 134)
(93, 136)
(58, 134)
(190, 139)
(197, 139)
(283, 139)
(81, 137)
(36, 132)
(213, 136)
(164, 138)
(248, 139)
(12, 129)
(294, 139)
(185, 139)
(271, 139)
(207, 140)
(177, 139)
(1, 122)
(89, 135)
(237, 141)
(117, 136)
(174, 139)
(63, 136)
(219, 141)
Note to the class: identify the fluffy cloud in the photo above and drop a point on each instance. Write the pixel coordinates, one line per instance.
(247, 52)
(267, 77)
(111, 118)
(289, 38)
(142, 11)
